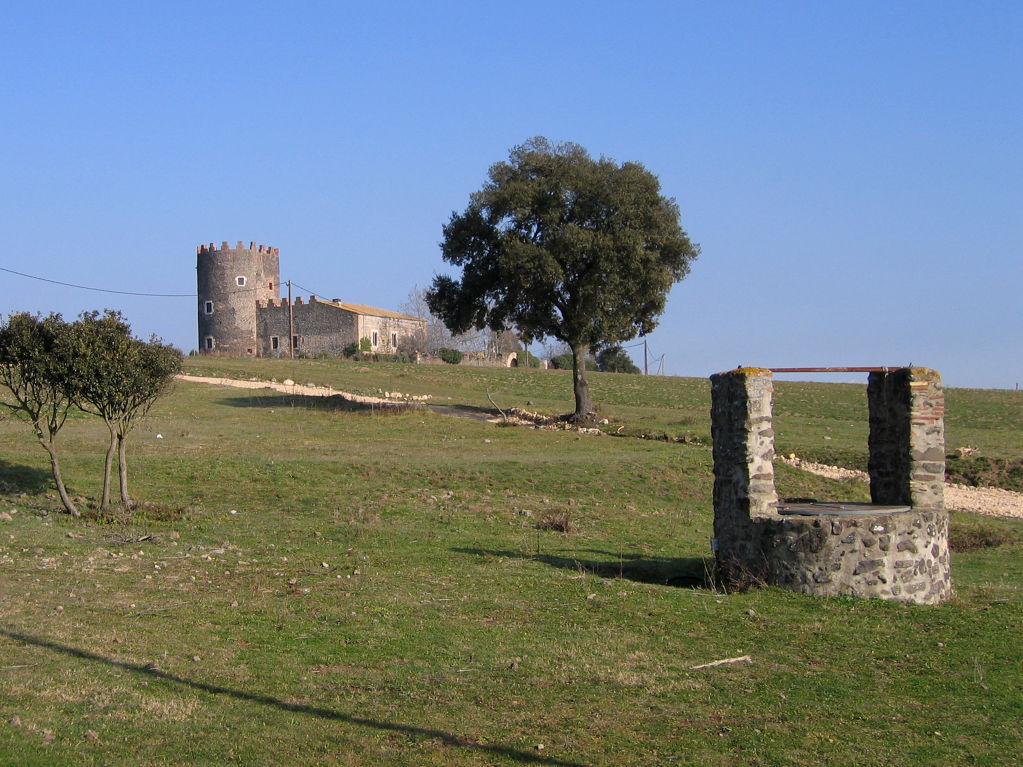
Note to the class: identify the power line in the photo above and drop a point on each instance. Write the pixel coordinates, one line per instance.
(99, 290)
(308, 290)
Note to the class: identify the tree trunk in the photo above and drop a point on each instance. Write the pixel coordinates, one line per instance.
(61, 490)
(583, 403)
(122, 468)
(107, 467)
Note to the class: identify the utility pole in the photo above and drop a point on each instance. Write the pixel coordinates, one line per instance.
(291, 323)
(646, 359)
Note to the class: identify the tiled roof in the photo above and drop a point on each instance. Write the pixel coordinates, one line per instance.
(371, 311)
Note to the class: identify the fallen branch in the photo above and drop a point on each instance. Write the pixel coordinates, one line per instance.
(743, 659)
(495, 405)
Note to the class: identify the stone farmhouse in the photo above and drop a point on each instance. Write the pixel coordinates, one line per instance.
(242, 314)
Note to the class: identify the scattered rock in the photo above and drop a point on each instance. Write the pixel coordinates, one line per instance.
(5, 517)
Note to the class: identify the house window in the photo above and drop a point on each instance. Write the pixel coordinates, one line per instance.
(375, 341)
(271, 285)
(208, 307)
(209, 343)
(275, 342)
(394, 340)
(240, 280)
(294, 342)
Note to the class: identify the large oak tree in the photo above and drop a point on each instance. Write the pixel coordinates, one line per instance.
(561, 245)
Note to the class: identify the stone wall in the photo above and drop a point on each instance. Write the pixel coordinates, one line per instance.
(899, 552)
(324, 327)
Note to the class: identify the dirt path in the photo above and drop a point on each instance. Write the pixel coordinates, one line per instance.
(990, 501)
(308, 390)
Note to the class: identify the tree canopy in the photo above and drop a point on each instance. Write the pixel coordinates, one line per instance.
(94, 364)
(561, 245)
(33, 366)
(118, 377)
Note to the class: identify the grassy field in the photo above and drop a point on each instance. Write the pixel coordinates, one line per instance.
(351, 587)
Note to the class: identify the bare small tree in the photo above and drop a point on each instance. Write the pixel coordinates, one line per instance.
(436, 336)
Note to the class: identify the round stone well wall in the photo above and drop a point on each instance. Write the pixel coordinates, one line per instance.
(898, 553)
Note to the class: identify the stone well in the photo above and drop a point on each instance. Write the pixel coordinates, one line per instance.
(896, 547)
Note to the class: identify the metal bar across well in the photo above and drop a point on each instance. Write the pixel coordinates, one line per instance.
(884, 369)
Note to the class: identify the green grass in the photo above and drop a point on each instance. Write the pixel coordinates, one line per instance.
(384, 594)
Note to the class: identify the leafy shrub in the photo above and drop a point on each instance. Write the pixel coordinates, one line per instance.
(614, 359)
(365, 345)
(351, 349)
(450, 356)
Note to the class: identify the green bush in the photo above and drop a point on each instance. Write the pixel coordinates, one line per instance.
(351, 349)
(365, 345)
(614, 359)
(450, 356)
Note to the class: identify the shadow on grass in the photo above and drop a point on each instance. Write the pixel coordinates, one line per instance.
(334, 403)
(18, 478)
(466, 411)
(683, 572)
(449, 739)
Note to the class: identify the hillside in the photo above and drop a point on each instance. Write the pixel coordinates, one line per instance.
(319, 582)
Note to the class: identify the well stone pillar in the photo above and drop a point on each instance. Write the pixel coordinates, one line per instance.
(742, 428)
(907, 438)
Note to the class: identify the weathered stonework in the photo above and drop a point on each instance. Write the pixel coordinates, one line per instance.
(241, 312)
(227, 309)
(907, 438)
(899, 555)
(896, 549)
(743, 436)
(327, 327)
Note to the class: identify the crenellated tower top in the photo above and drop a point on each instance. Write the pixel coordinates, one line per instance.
(213, 248)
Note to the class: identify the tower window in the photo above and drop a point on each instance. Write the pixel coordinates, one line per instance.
(209, 343)
(275, 342)
(240, 280)
(208, 307)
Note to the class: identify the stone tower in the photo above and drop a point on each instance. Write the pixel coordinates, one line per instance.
(230, 281)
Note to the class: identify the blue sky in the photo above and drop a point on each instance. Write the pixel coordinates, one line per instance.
(852, 170)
